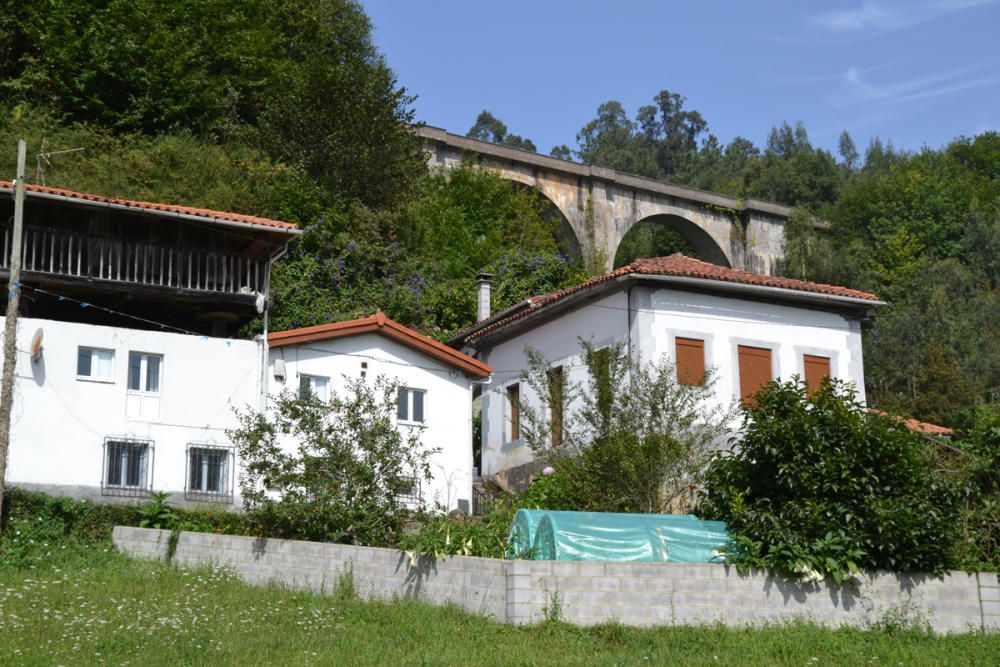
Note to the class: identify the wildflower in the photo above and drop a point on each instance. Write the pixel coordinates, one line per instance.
(548, 470)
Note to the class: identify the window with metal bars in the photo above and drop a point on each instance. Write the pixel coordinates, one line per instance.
(209, 473)
(128, 467)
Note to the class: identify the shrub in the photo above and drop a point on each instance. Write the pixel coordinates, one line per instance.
(816, 485)
(441, 536)
(633, 439)
(330, 470)
(979, 463)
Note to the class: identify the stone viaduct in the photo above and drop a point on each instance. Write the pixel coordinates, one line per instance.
(598, 205)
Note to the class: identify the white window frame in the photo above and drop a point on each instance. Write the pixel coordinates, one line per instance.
(110, 379)
(114, 446)
(144, 373)
(311, 379)
(409, 392)
(225, 494)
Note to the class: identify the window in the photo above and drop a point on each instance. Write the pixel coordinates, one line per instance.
(755, 370)
(127, 466)
(411, 405)
(208, 475)
(313, 385)
(144, 372)
(690, 356)
(408, 493)
(514, 407)
(816, 368)
(93, 363)
(556, 398)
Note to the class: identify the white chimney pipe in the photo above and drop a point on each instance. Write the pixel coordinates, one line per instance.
(483, 283)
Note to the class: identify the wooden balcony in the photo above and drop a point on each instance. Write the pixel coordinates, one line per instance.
(61, 253)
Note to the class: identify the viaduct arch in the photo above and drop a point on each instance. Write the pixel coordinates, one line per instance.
(601, 205)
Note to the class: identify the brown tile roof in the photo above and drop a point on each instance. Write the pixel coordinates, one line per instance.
(379, 323)
(672, 265)
(916, 425)
(207, 214)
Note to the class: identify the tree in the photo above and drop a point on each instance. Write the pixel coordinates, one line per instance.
(490, 128)
(815, 485)
(330, 470)
(630, 437)
(848, 152)
(302, 79)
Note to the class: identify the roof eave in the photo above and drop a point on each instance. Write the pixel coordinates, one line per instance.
(78, 201)
(799, 297)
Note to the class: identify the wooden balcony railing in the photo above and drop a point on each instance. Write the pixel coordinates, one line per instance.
(65, 253)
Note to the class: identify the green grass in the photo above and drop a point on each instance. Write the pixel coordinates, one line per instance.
(71, 604)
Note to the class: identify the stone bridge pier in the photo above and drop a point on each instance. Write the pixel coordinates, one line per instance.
(598, 206)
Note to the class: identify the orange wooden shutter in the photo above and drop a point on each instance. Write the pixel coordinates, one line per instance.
(755, 370)
(816, 368)
(514, 399)
(690, 354)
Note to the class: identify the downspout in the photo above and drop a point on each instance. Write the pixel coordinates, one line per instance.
(628, 323)
(265, 350)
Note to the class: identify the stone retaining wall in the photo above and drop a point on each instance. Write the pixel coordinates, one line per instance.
(586, 593)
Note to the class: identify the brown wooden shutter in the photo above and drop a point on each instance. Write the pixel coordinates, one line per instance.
(755, 370)
(816, 368)
(556, 397)
(690, 355)
(514, 401)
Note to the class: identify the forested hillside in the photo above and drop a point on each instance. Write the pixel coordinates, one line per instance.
(287, 109)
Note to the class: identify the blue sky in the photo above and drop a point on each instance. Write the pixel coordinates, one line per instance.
(917, 73)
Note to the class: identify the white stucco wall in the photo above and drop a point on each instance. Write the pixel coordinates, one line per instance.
(658, 316)
(447, 407)
(59, 422)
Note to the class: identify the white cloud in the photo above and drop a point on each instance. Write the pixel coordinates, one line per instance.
(858, 90)
(878, 16)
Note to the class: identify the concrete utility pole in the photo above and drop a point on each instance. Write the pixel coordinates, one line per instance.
(10, 324)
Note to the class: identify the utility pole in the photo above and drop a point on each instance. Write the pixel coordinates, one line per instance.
(10, 324)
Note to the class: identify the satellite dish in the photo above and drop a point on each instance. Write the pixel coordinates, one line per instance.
(36, 345)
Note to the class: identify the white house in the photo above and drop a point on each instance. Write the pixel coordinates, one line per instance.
(436, 382)
(125, 379)
(749, 328)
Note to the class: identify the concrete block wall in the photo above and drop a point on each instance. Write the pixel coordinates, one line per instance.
(586, 593)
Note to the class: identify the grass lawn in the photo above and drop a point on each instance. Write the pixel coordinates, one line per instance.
(73, 605)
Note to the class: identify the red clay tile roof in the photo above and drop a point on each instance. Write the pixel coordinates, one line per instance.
(207, 214)
(673, 265)
(917, 426)
(379, 323)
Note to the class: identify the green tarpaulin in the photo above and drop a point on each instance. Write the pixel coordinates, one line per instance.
(604, 536)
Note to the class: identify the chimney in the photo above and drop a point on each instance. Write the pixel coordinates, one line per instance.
(483, 283)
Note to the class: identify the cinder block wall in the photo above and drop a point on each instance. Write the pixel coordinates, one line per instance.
(585, 593)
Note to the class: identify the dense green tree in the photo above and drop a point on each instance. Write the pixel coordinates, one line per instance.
(490, 128)
(302, 79)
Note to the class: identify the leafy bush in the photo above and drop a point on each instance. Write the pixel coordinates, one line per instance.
(631, 437)
(816, 485)
(441, 536)
(342, 476)
(34, 523)
(979, 463)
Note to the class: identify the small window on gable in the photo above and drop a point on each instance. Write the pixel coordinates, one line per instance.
(93, 363)
(816, 369)
(410, 407)
(690, 356)
(755, 370)
(514, 406)
(314, 386)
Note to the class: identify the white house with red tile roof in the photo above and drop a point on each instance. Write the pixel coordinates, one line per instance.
(748, 327)
(436, 388)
